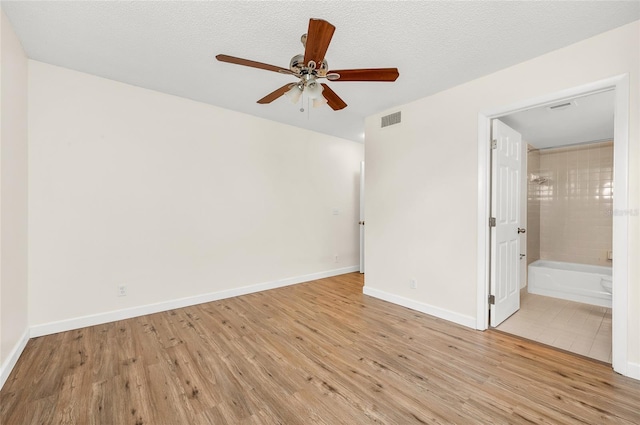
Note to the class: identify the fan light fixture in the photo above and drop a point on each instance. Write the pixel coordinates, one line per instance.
(311, 88)
(311, 66)
(319, 102)
(315, 89)
(294, 92)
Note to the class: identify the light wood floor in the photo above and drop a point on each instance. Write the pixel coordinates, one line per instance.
(315, 353)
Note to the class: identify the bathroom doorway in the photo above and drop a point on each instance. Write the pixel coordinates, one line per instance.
(565, 297)
(618, 87)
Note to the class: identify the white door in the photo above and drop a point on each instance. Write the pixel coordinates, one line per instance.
(505, 208)
(361, 223)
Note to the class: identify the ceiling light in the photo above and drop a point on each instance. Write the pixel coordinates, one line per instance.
(313, 89)
(294, 92)
(319, 101)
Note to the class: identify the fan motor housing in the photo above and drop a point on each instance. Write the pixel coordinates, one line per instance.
(297, 66)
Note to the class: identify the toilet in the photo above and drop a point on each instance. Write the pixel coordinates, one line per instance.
(606, 284)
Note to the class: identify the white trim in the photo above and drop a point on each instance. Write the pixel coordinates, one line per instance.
(633, 370)
(12, 359)
(621, 204)
(440, 313)
(361, 227)
(484, 206)
(111, 316)
(620, 310)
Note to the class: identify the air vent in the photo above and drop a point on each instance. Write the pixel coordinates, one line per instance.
(390, 119)
(561, 106)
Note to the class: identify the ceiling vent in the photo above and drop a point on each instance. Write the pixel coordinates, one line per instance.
(390, 119)
(561, 106)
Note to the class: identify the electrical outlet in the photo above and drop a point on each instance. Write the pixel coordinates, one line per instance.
(413, 284)
(122, 290)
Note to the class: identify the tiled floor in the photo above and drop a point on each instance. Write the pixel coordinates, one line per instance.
(580, 328)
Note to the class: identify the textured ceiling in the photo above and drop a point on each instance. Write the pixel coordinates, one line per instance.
(170, 46)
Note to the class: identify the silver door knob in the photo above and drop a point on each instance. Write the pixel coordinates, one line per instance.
(521, 230)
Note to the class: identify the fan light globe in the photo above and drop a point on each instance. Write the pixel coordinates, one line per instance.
(294, 93)
(319, 102)
(313, 89)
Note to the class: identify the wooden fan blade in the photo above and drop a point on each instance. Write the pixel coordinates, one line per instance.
(333, 100)
(373, 74)
(318, 38)
(275, 94)
(253, 64)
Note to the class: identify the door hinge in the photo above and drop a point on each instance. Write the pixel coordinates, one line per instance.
(492, 299)
(494, 144)
(492, 222)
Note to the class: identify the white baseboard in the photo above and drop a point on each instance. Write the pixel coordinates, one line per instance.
(441, 313)
(10, 362)
(633, 370)
(111, 316)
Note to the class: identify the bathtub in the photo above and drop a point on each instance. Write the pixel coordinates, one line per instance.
(569, 281)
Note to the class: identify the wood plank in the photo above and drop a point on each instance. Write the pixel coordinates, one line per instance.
(318, 352)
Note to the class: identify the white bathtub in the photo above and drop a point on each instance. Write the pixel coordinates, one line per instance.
(569, 281)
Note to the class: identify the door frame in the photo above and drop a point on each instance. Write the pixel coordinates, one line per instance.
(620, 211)
(361, 215)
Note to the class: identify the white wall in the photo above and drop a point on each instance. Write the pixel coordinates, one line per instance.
(422, 178)
(13, 198)
(172, 198)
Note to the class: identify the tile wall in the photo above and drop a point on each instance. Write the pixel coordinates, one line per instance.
(575, 203)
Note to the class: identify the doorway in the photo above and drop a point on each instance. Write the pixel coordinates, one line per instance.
(620, 86)
(567, 181)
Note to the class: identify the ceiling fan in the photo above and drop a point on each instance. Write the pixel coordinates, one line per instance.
(312, 66)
